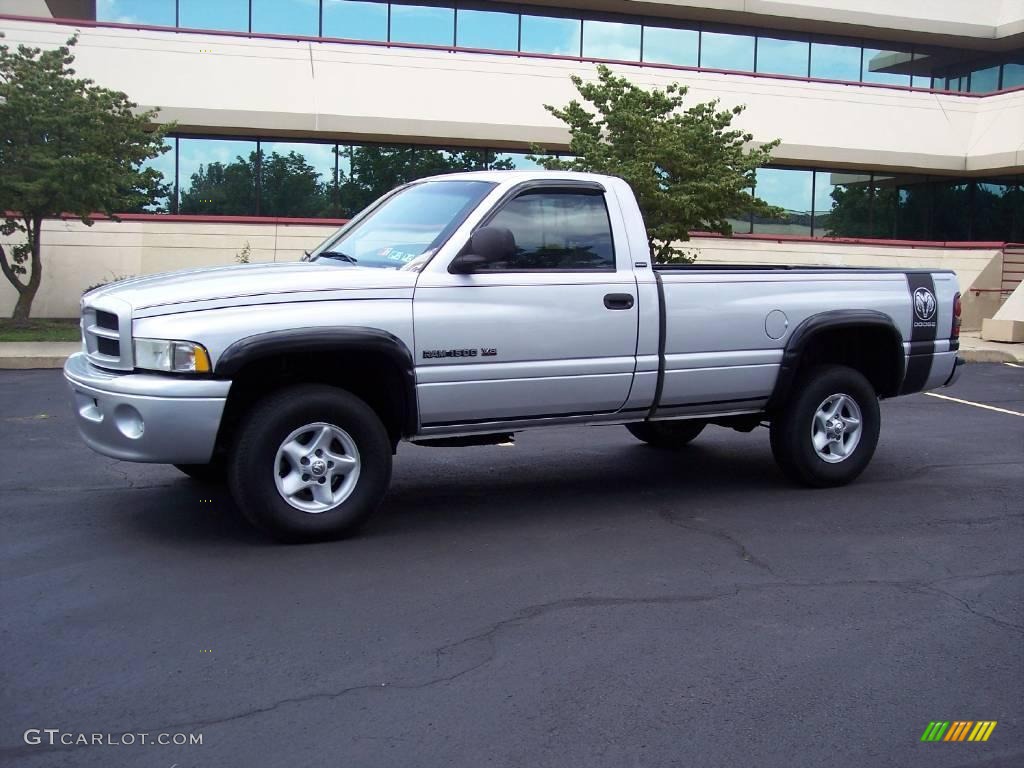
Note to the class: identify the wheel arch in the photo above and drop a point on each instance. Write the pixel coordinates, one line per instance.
(371, 363)
(866, 340)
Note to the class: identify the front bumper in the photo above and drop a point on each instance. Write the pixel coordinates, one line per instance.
(145, 417)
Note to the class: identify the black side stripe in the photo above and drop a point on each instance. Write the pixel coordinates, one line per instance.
(662, 330)
(923, 327)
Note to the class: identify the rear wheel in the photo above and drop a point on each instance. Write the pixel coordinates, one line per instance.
(668, 435)
(826, 434)
(310, 463)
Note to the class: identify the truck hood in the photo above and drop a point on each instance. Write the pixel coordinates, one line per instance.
(256, 284)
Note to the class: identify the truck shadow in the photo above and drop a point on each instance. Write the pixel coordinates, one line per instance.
(435, 490)
(615, 481)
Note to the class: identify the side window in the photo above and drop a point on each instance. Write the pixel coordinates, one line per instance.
(558, 230)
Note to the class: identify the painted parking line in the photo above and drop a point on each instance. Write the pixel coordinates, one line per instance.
(976, 405)
(1014, 365)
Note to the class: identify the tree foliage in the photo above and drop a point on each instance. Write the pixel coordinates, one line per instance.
(67, 146)
(690, 169)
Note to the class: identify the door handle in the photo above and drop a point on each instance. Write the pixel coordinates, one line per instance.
(618, 301)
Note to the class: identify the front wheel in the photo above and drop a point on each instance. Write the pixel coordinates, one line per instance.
(826, 433)
(310, 463)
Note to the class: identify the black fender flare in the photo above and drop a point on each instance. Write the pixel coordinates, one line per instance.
(327, 339)
(834, 319)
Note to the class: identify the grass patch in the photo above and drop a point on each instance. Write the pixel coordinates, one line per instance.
(40, 329)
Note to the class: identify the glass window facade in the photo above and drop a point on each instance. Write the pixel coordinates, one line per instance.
(611, 40)
(671, 45)
(355, 20)
(217, 176)
(492, 30)
(889, 67)
(297, 179)
(286, 17)
(622, 37)
(155, 12)
(231, 15)
(780, 56)
(792, 191)
(724, 50)
(423, 24)
(304, 179)
(550, 34)
(835, 61)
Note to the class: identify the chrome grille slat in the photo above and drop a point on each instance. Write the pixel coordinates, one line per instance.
(106, 332)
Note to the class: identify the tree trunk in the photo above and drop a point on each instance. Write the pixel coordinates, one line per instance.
(27, 294)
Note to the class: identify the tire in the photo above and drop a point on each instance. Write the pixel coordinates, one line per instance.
(843, 453)
(275, 454)
(667, 435)
(213, 473)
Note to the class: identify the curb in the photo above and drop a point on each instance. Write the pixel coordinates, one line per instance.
(990, 356)
(19, 363)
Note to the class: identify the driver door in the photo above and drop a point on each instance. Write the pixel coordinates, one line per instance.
(549, 333)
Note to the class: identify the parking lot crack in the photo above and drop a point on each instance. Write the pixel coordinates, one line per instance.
(738, 546)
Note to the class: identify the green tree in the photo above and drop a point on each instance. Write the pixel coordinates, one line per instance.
(290, 186)
(689, 168)
(227, 189)
(67, 146)
(376, 169)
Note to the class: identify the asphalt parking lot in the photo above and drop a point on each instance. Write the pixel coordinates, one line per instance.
(578, 599)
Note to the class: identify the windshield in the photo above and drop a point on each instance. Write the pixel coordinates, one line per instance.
(405, 230)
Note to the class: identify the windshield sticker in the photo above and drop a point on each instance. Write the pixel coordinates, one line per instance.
(394, 254)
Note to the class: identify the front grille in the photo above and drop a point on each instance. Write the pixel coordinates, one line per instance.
(106, 331)
(108, 347)
(107, 320)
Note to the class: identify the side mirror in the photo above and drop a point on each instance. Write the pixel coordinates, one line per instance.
(486, 246)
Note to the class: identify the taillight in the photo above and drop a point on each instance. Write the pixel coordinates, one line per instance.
(956, 317)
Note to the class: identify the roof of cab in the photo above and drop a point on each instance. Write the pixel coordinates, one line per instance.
(501, 177)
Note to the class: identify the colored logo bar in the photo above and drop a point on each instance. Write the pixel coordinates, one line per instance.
(959, 730)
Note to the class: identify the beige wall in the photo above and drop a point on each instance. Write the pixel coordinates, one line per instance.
(354, 91)
(76, 256)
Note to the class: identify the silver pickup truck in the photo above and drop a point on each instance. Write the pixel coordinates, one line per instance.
(458, 310)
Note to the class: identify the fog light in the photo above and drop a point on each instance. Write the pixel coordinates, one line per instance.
(129, 422)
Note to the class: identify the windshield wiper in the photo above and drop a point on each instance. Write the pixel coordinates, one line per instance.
(338, 255)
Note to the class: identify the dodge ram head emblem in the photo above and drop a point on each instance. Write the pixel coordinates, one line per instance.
(924, 304)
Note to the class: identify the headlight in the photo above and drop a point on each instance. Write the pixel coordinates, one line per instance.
(171, 356)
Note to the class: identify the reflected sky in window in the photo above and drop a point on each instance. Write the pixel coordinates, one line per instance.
(1013, 74)
(286, 17)
(155, 12)
(356, 20)
(665, 45)
(488, 29)
(611, 40)
(164, 164)
(985, 80)
(547, 34)
(231, 15)
(721, 50)
(782, 57)
(422, 24)
(835, 62)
